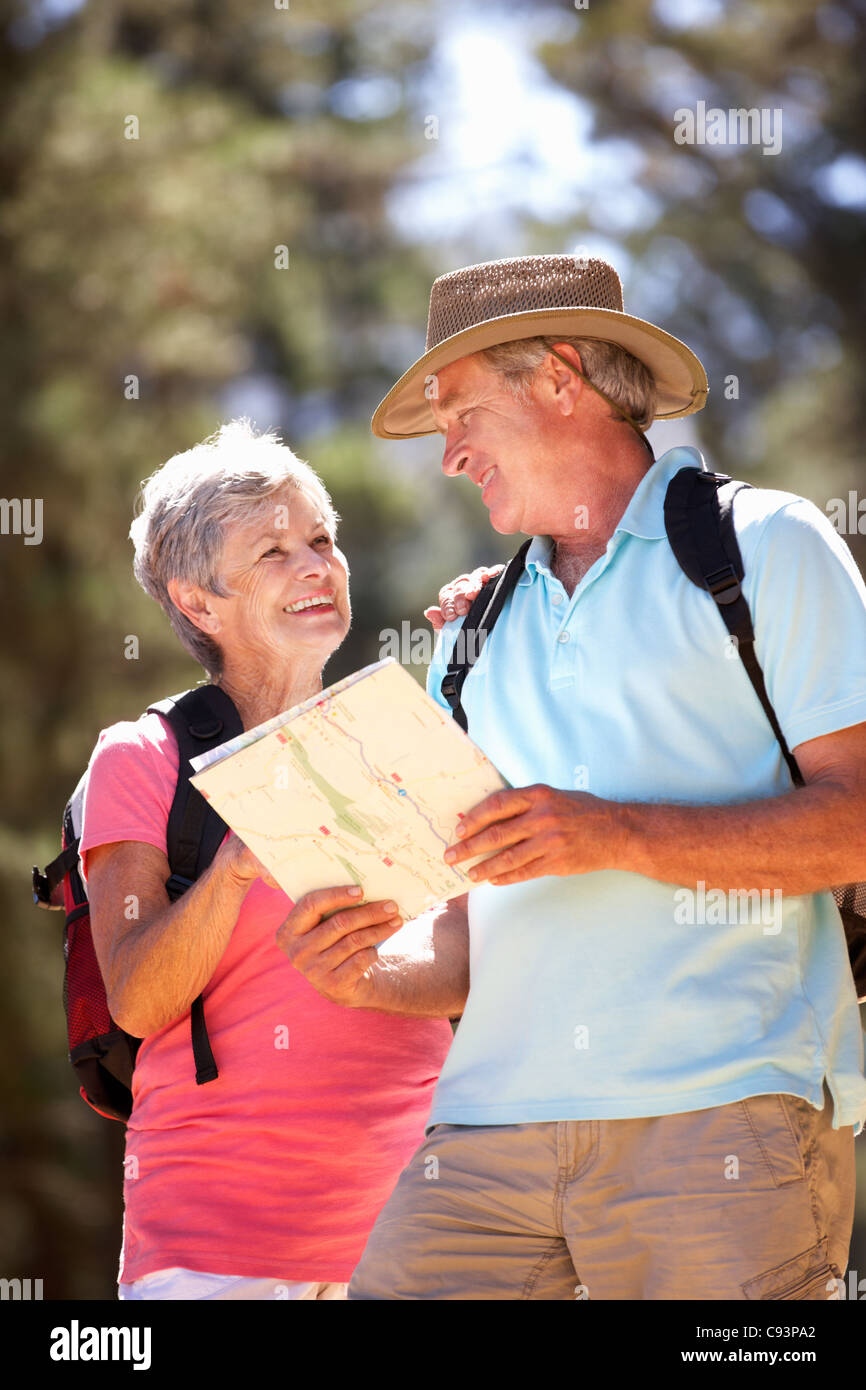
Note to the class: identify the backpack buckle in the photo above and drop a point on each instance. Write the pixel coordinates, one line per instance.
(724, 585)
(176, 886)
(209, 729)
(449, 688)
(41, 889)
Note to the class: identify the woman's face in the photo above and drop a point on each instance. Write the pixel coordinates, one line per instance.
(289, 584)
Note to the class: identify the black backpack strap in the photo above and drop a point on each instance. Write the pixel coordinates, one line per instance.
(700, 527)
(201, 718)
(202, 1052)
(65, 864)
(45, 882)
(475, 629)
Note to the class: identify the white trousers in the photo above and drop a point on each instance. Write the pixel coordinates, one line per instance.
(179, 1283)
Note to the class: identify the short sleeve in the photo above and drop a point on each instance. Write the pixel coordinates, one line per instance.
(131, 781)
(808, 604)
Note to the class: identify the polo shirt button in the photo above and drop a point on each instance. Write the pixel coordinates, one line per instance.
(563, 637)
(556, 598)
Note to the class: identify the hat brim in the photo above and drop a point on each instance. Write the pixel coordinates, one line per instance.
(680, 379)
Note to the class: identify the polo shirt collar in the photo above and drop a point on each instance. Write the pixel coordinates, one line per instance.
(644, 516)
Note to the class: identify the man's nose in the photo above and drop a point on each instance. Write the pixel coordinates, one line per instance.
(455, 458)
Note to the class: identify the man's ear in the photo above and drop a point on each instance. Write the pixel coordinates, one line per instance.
(194, 603)
(567, 386)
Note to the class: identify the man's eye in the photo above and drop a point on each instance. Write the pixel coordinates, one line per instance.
(326, 539)
(274, 550)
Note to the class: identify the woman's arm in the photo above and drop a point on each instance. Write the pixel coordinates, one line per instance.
(424, 970)
(156, 956)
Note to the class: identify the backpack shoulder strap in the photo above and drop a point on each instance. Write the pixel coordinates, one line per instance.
(201, 719)
(47, 881)
(475, 629)
(699, 520)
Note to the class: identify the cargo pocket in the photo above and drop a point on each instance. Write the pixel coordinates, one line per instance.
(776, 1137)
(808, 1277)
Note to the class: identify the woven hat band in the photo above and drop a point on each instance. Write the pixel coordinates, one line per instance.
(478, 293)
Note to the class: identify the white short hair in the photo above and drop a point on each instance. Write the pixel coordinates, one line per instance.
(611, 368)
(186, 506)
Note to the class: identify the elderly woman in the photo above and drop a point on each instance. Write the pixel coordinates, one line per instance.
(266, 1182)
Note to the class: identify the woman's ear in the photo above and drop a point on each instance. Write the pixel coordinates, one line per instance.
(194, 603)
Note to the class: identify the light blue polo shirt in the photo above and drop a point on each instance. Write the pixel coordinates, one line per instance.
(610, 995)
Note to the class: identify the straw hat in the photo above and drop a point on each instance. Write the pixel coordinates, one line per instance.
(528, 297)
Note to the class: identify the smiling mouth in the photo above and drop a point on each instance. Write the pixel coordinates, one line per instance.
(486, 476)
(311, 605)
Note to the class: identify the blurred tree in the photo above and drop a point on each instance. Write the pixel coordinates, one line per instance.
(161, 166)
(753, 258)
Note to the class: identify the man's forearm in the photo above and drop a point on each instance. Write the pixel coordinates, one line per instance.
(803, 842)
(423, 971)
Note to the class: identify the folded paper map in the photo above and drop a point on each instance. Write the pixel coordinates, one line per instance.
(363, 783)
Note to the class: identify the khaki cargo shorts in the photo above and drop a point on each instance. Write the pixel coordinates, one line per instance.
(752, 1200)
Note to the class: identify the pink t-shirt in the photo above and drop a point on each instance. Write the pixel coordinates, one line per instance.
(278, 1168)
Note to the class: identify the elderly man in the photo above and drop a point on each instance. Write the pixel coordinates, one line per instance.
(640, 1102)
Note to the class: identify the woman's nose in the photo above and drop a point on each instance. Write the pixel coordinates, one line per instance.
(314, 563)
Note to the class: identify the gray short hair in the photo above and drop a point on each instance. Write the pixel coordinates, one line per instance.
(187, 504)
(610, 367)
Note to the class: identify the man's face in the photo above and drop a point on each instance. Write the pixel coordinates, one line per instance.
(510, 448)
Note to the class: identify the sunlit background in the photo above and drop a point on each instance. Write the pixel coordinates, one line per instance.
(381, 144)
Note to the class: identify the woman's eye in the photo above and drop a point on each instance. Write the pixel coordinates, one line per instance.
(326, 539)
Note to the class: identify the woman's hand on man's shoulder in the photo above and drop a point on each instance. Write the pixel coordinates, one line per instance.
(455, 597)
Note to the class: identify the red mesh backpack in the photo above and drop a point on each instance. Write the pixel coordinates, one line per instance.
(102, 1054)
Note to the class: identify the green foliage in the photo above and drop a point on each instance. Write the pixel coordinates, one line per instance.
(154, 258)
(742, 254)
